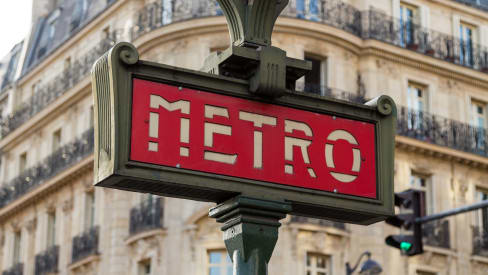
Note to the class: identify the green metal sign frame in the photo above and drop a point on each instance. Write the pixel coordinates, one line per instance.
(112, 89)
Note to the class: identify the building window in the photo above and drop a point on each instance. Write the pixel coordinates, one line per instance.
(51, 229)
(482, 214)
(35, 88)
(144, 267)
(420, 272)
(308, 9)
(466, 37)
(56, 141)
(17, 247)
(316, 80)
(89, 210)
(318, 264)
(219, 263)
(424, 183)
(22, 162)
(479, 121)
(408, 18)
(417, 103)
(67, 63)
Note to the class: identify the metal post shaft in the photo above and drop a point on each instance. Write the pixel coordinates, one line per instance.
(250, 231)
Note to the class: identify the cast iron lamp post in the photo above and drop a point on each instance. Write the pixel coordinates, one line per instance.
(369, 267)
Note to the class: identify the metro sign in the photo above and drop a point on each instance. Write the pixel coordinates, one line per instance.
(201, 131)
(181, 133)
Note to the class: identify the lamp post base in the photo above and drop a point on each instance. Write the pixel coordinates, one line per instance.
(250, 231)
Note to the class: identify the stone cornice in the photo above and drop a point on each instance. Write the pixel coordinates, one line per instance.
(441, 152)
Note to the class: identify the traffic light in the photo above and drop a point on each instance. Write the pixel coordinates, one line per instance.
(410, 245)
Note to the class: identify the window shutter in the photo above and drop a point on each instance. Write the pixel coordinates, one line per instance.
(424, 17)
(456, 22)
(395, 5)
(483, 35)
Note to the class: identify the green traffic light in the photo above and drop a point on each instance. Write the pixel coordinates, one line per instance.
(405, 246)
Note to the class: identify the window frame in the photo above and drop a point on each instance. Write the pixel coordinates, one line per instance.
(23, 160)
(463, 26)
(406, 38)
(17, 248)
(51, 229)
(223, 265)
(429, 189)
(56, 140)
(89, 215)
(142, 264)
(311, 269)
(323, 73)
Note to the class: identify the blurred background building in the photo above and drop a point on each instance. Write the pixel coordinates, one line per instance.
(431, 56)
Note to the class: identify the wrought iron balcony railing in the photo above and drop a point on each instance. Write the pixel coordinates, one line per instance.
(480, 241)
(85, 245)
(479, 4)
(17, 269)
(57, 162)
(331, 92)
(412, 36)
(156, 15)
(305, 220)
(442, 131)
(47, 262)
(437, 234)
(371, 24)
(147, 216)
(331, 12)
(49, 92)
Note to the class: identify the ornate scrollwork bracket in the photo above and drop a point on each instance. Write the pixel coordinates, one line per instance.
(251, 56)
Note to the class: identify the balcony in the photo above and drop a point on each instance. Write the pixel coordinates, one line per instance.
(432, 43)
(321, 90)
(325, 223)
(436, 233)
(63, 158)
(147, 216)
(17, 269)
(442, 131)
(480, 241)
(478, 4)
(47, 262)
(85, 245)
(370, 24)
(55, 88)
(154, 15)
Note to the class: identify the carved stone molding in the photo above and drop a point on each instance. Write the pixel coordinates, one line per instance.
(192, 235)
(15, 225)
(51, 204)
(67, 205)
(294, 243)
(31, 225)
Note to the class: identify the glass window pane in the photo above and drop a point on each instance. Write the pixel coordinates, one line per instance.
(215, 257)
(214, 270)
(321, 262)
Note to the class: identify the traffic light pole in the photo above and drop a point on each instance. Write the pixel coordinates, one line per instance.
(452, 212)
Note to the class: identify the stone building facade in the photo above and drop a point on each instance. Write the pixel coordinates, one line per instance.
(431, 56)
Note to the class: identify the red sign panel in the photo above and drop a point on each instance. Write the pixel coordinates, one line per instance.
(219, 134)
